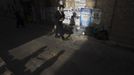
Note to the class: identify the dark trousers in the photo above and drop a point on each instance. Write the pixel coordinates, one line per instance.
(20, 23)
(59, 29)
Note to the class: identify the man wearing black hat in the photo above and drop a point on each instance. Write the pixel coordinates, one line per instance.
(60, 16)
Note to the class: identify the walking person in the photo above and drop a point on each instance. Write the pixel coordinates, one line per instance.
(71, 25)
(19, 19)
(60, 16)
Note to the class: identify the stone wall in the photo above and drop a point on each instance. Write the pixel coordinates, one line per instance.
(107, 12)
(123, 24)
(5, 8)
(117, 17)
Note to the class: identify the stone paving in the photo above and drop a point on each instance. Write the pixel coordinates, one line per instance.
(51, 46)
(83, 55)
(33, 51)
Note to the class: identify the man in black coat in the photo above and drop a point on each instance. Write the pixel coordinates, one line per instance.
(60, 16)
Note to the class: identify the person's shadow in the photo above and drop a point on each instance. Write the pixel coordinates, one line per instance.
(47, 64)
(18, 66)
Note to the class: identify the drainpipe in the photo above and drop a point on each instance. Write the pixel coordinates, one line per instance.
(113, 14)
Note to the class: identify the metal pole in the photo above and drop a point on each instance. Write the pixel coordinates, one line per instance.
(114, 8)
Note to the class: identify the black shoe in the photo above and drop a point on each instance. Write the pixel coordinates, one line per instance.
(67, 38)
(63, 38)
(56, 36)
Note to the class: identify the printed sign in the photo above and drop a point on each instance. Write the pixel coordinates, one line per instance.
(85, 17)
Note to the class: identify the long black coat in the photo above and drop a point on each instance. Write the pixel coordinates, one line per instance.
(59, 25)
(59, 16)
